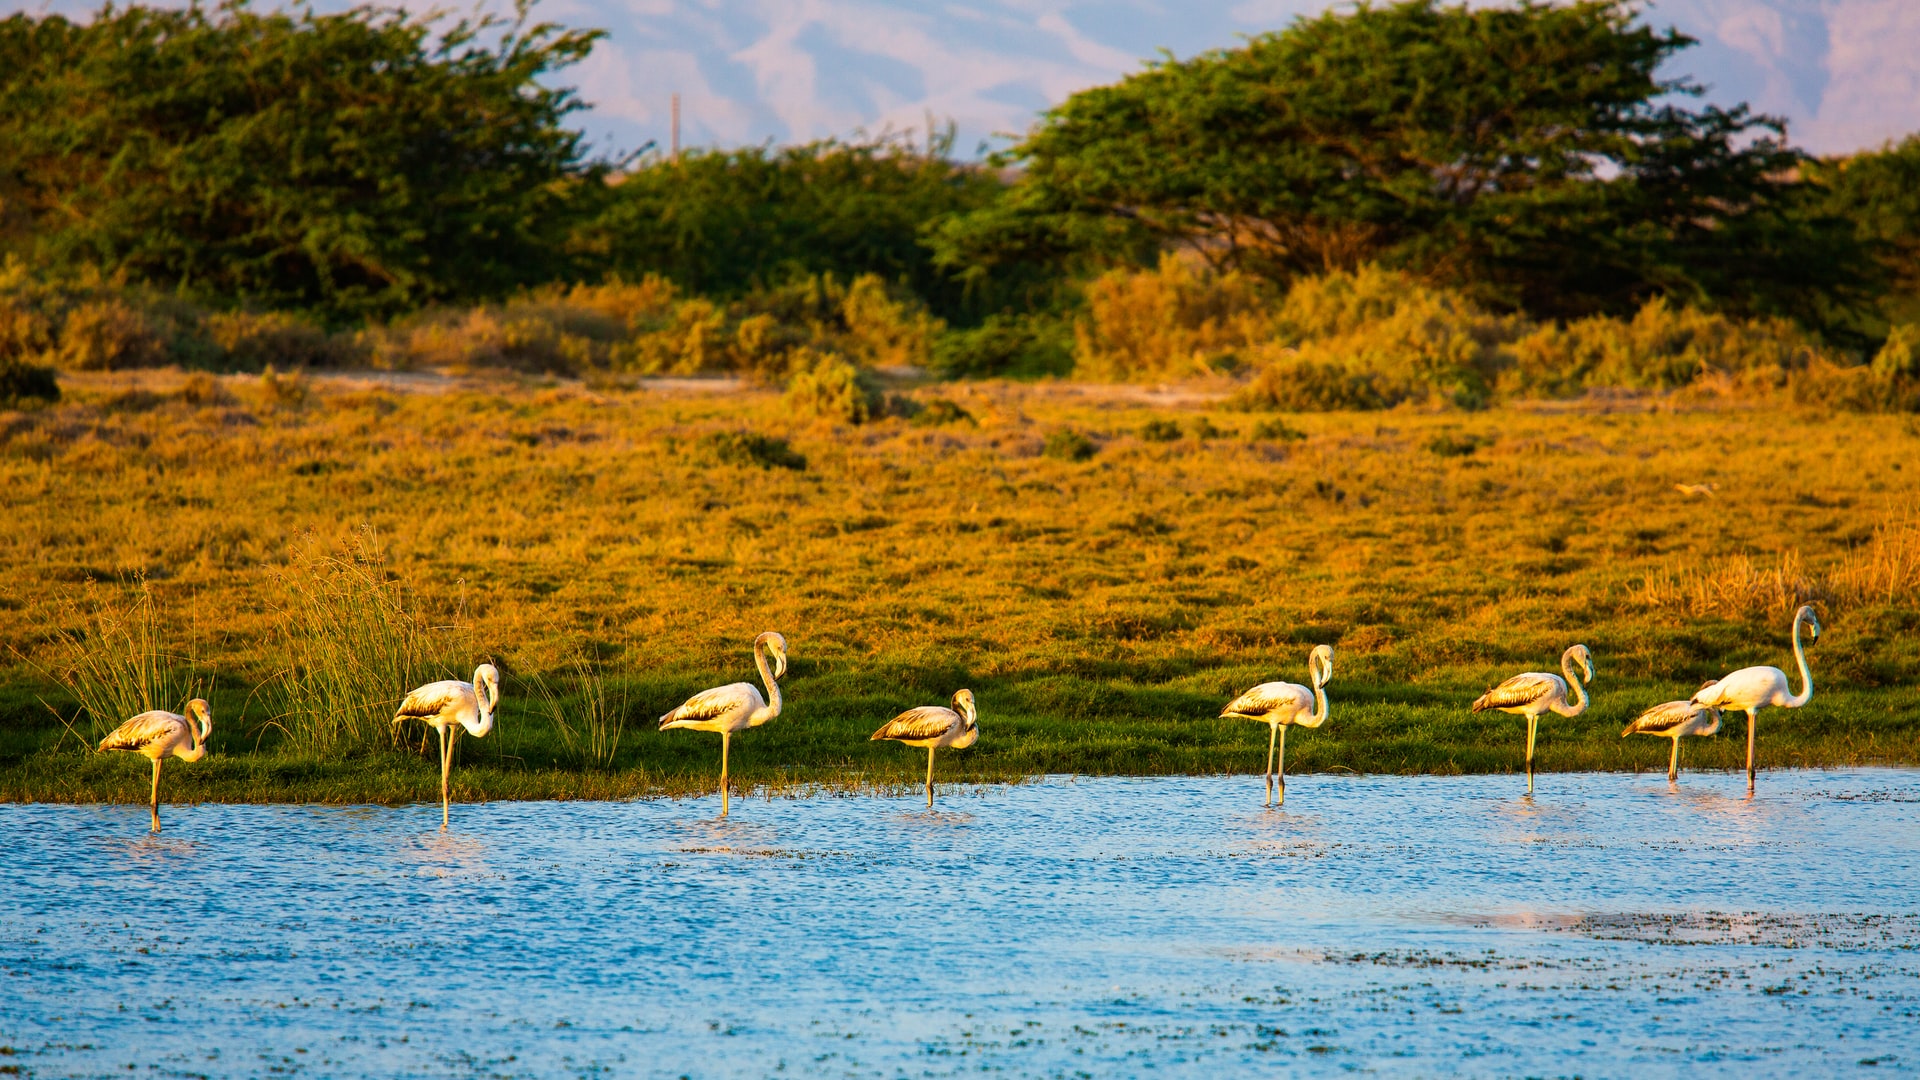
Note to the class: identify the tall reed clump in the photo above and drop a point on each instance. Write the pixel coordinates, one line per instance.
(117, 664)
(585, 710)
(1885, 570)
(352, 648)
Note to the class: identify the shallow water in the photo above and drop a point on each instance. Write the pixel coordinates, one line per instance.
(1405, 925)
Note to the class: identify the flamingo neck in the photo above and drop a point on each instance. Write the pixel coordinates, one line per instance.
(1806, 673)
(761, 716)
(1319, 703)
(487, 697)
(1580, 700)
(199, 727)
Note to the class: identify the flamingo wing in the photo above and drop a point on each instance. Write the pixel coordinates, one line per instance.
(1268, 698)
(1662, 719)
(434, 699)
(715, 703)
(925, 722)
(146, 730)
(1523, 689)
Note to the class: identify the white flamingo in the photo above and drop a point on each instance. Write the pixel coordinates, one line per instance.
(446, 707)
(1533, 693)
(1754, 688)
(933, 727)
(1673, 720)
(160, 734)
(736, 706)
(1281, 705)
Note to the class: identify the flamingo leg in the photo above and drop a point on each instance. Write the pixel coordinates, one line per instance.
(726, 740)
(154, 805)
(1273, 731)
(1673, 763)
(1533, 728)
(446, 767)
(929, 777)
(1750, 719)
(1280, 773)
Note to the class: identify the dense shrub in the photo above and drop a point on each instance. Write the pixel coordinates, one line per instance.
(751, 449)
(1011, 346)
(831, 388)
(729, 223)
(1173, 321)
(1068, 445)
(22, 383)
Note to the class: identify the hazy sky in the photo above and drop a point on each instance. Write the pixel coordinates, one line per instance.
(1846, 73)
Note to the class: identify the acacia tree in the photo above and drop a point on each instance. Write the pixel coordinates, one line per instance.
(1529, 152)
(355, 164)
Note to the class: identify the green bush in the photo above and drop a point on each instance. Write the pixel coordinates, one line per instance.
(22, 383)
(1160, 431)
(1899, 357)
(1275, 430)
(1068, 445)
(1006, 346)
(940, 411)
(751, 449)
(831, 388)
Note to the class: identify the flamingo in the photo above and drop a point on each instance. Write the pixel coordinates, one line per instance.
(736, 706)
(1532, 693)
(158, 734)
(1674, 719)
(442, 705)
(1754, 688)
(933, 727)
(1281, 705)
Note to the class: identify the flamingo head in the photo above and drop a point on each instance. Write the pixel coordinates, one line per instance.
(486, 684)
(203, 713)
(1320, 664)
(776, 647)
(1806, 615)
(963, 704)
(1584, 657)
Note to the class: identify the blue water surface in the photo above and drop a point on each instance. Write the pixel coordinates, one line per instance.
(1609, 926)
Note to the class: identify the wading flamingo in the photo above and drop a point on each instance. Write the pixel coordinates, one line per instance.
(446, 707)
(1533, 693)
(1281, 705)
(736, 706)
(1672, 720)
(934, 727)
(158, 734)
(1754, 688)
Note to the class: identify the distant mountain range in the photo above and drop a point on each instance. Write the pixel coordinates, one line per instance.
(1845, 73)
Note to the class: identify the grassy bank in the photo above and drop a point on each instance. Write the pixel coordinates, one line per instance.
(1104, 568)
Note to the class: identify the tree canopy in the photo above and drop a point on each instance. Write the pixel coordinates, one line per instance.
(1529, 151)
(355, 163)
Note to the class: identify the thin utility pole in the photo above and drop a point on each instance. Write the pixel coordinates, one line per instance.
(676, 127)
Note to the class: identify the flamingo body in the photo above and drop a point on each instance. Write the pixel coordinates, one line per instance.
(1281, 705)
(1533, 694)
(1675, 720)
(159, 734)
(934, 727)
(1751, 689)
(449, 707)
(736, 706)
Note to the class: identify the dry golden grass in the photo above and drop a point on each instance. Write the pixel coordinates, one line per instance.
(1102, 608)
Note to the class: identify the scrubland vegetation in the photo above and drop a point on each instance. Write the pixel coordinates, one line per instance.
(306, 557)
(333, 360)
